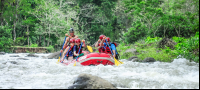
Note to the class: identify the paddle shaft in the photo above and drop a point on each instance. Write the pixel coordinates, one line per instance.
(66, 54)
(63, 45)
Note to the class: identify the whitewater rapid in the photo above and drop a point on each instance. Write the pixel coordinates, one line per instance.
(38, 73)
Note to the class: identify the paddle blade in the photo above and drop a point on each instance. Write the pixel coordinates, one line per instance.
(121, 62)
(116, 62)
(75, 63)
(90, 48)
(58, 60)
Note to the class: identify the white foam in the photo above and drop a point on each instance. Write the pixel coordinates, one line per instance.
(38, 73)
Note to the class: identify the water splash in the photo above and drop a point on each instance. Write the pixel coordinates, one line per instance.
(38, 73)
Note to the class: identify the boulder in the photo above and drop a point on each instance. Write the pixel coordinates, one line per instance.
(32, 55)
(2, 53)
(134, 59)
(166, 42)
(14, 55)
(149, 59)
(22, 59)
(88, 81)
(55, 55)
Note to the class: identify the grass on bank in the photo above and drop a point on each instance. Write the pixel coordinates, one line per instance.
(185, 48)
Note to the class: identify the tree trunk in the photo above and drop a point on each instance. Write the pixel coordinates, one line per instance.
(44, 40)
(28, 35)
(49, 36)
(39, 41)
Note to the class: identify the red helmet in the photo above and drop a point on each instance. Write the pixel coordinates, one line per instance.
(72, 40)
(101, 36)
(108, 39)
(78, 40)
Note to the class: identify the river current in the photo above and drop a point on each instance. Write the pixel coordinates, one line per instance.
(39, 73)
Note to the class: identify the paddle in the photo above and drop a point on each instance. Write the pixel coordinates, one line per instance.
(61, 52)
(78, 53)
(116, 61)
(90, 48)
(66, 54)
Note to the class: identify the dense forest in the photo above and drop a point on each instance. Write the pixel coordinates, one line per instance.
(44, 22)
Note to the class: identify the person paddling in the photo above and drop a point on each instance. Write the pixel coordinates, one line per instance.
(69, 54)
(77, 46)
(99, 46)
(112, 47)
(67, 42)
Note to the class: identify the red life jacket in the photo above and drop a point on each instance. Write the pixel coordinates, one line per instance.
(108, 49)
(71, 50)
(101, 49)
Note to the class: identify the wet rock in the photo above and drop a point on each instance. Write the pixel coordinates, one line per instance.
(32, 55)
(44, 57)
(22, 59)
(54, 55)
(2, 53)
(149, 59)
(134, 59)
(166, 42)
(14, 55)
(88, 81)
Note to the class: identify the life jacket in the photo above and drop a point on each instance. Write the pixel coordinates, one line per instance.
(70, 51)
(109, 48)
(77, 49)
(102, 49)
(69, 40)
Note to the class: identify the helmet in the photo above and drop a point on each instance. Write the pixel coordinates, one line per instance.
(108, 39)
(71, 30)
(101, 36)
(72, 40)
(78, 40)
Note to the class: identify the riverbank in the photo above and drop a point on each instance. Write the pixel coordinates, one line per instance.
(162, 49)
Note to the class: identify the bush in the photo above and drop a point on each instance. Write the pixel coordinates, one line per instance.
(188, 48)
(5, 38)
(34, 45)
(50, 48)
(20, 41)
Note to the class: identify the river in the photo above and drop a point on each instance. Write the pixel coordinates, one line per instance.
(38, 73)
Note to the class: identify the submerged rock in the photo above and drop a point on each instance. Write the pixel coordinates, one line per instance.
(22, 59)
(54, 55)
(149, 59)
(32, 55)
(14, 55)
(2, 53)
(88, 81)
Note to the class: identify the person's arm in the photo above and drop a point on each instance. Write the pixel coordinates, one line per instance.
(113, 50)
(71, 36)
(96, 45)
(65, 45)
(83, 43)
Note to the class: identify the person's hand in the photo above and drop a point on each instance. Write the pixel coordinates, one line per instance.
(66, 35)
(114, 56)
(61, 50)
(77, 54)
(83, 41)
(99, 40)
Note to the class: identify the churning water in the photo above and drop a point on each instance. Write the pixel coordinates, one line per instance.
(38, 73)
